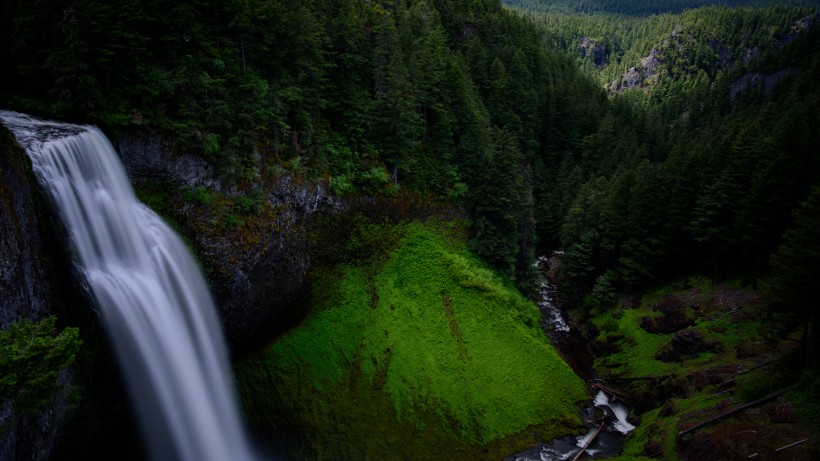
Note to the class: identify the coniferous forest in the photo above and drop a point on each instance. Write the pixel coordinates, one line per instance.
(664, 152)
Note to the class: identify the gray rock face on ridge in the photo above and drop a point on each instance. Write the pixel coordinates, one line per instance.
(590, 49)
(756, 81)
(147, 156)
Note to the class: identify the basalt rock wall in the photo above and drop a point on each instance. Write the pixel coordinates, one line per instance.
(256, 270)
(89, 415)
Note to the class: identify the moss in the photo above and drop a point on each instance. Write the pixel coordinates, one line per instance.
(638, 347)
(698, 386)
(423, 354)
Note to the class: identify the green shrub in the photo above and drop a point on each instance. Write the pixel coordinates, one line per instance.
(31, 356)
(250, 203)
(197, 195)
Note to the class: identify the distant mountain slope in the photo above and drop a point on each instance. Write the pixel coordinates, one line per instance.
(664, 52)
(639, 7)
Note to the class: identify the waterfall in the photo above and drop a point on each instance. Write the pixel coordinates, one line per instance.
(150, 294)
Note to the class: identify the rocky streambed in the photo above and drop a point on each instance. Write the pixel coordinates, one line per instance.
(604, 417)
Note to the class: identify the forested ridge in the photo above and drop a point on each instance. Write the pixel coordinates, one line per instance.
(649, 141)
(639, 7)
(444, 98)
(739, 156)
(469, 103)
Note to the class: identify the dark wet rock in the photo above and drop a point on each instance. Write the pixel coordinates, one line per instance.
(88, 418)
(255, 267)
(608, 344)
(686, 343)
(676, 316)
(781, 412)
(746, 437)
(751, 349)
(25, 286)
(719, 376)
(149, 156)
(669, 409)
(23, 278)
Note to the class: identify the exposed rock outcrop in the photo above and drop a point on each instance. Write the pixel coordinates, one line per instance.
(256, 270)
(686, 343)
(799, 26)
(23, 280)
(25, 288)
(638, 76)
(591, 49)
(759, 82)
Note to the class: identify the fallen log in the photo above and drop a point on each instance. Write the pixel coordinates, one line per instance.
(723, 392)
(612, 392)
(737, 409)
(792, 445)
(665, 345)
(743, 372)
(589, 442)
(637, 378)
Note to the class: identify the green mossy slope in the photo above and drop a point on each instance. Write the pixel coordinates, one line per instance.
(420, 354)
(726, 362)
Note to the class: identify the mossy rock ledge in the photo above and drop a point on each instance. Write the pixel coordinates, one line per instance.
(422, 353)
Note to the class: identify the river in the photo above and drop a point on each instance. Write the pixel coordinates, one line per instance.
(604, 418)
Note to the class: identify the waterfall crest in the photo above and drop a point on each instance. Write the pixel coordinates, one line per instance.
(150, 293)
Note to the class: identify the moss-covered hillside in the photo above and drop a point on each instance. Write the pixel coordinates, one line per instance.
(418, 353)
(704, 379)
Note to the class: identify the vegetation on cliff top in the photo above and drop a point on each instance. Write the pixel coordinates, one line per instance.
(417, 353)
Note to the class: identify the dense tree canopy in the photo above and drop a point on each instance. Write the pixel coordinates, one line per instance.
(466, 102)
(638, 7)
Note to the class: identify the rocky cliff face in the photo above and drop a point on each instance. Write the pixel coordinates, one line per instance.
(89, 416)
(23, 280)
(25, 288)
(642, 75)
(255, 263)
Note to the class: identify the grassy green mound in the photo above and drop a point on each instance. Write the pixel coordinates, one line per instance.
(420, 354)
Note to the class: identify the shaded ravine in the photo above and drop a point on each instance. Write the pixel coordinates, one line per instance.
(150, 294)
(601, 413)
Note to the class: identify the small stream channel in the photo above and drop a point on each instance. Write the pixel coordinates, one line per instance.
(602, 416)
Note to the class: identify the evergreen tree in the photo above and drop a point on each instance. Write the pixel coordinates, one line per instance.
(498, 203)
(792, 297)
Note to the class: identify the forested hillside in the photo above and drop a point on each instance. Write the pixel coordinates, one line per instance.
(465, 102)
(675, 52)
(455, 99)
(650, 141)
(638, 7)
(731, 88)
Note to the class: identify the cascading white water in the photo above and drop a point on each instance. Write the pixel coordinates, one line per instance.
(151, 295)
(550, 312)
